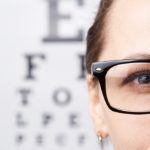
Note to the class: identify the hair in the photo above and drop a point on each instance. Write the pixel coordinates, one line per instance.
(96, 34)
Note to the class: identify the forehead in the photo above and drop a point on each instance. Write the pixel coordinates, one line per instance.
(128, 29)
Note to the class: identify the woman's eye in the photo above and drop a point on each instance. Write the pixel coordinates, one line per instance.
(142, 79)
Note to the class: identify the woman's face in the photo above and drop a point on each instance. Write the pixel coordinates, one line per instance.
(128, 36)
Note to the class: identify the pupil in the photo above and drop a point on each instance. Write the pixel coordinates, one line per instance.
(144, 79)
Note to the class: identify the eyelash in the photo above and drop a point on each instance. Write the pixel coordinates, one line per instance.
(133, 76)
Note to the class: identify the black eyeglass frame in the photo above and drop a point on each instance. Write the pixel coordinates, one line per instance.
(100, 69)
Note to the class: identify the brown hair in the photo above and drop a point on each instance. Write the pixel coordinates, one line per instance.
(95, 36)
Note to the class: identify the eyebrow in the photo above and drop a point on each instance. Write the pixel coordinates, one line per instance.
(138, 56)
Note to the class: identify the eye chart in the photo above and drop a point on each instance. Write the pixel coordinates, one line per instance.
(44, 99)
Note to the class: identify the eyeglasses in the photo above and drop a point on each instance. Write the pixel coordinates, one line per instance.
(125, 84)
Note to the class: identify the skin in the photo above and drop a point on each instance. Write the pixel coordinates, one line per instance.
(127, 36)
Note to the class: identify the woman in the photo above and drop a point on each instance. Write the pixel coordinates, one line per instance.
(118, 73)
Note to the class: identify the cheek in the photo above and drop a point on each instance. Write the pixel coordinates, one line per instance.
(128, 131)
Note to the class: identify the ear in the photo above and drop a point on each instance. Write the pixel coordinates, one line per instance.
(95, 106)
